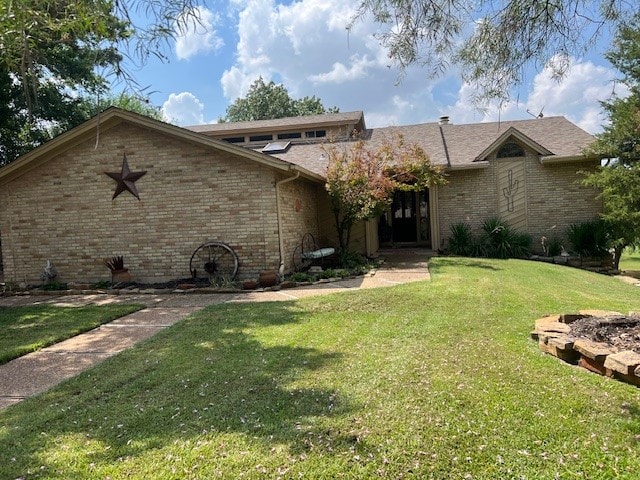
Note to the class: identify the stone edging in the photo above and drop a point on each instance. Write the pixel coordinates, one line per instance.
(553, 334)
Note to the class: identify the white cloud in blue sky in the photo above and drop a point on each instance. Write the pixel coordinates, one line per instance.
(183, 108)
(305, 46)
(197, 34)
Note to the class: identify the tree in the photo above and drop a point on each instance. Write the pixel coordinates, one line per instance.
(619, 178)
(124, 100)
(55, 53)
(361, 181)
(492, 41)
(266, 101)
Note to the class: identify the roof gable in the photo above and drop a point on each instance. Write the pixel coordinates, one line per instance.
(511, 133)
(115, 116)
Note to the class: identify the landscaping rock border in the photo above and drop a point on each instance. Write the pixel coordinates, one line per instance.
(553, 334)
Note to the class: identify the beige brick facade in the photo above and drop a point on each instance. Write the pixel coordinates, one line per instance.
(63, 211)
(56, 202)
(548, 197)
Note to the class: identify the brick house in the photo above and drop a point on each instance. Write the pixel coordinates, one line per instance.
(259, 186)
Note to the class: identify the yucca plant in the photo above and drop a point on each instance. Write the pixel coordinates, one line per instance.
(461, 241)
(115, 264)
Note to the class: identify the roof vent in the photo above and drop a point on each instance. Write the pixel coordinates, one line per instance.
(444, 120)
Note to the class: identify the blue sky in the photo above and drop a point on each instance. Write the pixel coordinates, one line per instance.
(305, 45)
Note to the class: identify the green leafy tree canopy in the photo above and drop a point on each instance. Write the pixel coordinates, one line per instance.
(619, 179)
(492, 41)
(266, 101)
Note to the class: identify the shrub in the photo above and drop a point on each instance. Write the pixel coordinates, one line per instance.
(461, 241)
(499, 240)
(590, 239)
(551, 247)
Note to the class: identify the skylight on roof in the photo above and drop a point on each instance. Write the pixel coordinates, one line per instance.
(276, 147)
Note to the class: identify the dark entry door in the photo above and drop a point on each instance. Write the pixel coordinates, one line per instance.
(404, 219)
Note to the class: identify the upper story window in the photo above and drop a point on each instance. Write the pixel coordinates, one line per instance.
(316, 134)
(260, 138)
(510, 149)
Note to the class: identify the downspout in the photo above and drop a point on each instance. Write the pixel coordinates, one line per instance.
(279, 218)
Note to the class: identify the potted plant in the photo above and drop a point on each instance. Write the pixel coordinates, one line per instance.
(118, 272)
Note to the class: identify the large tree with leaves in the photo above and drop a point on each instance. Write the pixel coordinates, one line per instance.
(56, 53)
(266, 101)
(492, 41)
(361, 179)
(619, 179)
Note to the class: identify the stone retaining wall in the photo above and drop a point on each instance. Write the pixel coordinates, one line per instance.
(553, 334)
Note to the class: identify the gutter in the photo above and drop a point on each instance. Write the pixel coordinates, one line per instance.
(279, 219)
(551, 159)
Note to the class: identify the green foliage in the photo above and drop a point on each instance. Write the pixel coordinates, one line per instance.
(590, 239)
(54, 286)
(619, 180)
(551, 247)
(58, 56)
(430, 380)
(301, 277)
(51, 54)
(491, 42)
(266, 101)
(361, 180)
(498, 240)
(461, 242)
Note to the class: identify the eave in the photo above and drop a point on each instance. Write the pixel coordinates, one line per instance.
(115, 116)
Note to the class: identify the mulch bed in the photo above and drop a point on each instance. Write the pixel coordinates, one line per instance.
(620, 331)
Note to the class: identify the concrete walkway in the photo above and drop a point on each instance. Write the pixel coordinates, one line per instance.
(39, 371)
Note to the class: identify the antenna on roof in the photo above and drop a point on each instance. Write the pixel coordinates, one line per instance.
(540, 115)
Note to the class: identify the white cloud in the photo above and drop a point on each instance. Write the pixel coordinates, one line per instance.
(183, 109)
(306, 46)
(196, 33)
(341, 73)
(575, 96)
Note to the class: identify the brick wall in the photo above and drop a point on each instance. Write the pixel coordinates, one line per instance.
(299, 215)
(63, 211)
(554, 197)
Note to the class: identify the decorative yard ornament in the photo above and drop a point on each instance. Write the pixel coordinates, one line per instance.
(125, 179)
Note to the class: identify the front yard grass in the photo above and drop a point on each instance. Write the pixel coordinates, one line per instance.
(630, 262)
(436, 380)
(27, 329)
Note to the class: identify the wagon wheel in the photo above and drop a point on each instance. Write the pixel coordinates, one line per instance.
(215, 261)
(307, 245)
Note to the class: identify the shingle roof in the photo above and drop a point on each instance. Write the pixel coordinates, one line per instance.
(278, 124)
(459, 146)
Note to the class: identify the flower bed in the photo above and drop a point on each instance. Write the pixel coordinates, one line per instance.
(607, 343)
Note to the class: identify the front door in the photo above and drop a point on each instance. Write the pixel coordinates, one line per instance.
(407, 221)
(403, 210)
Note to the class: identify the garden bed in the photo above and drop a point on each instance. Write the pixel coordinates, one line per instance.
(607, 343)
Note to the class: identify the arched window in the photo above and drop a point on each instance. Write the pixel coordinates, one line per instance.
(510, 149)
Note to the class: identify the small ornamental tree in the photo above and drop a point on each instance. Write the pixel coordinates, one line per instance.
(361, 180)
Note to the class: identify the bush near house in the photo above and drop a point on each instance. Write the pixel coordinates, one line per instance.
(590, 239)
(497, 240)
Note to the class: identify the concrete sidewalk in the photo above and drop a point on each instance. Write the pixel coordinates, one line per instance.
(39, 371)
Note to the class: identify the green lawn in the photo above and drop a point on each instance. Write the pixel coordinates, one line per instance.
(630, 262)
(27, 329)
(436, 379)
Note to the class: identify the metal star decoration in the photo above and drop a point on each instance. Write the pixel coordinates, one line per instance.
(126, 179)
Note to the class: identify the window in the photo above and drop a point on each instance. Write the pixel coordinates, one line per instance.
(510, 149)
(261, 138)
(234, 139)
(316, 134)
(284, 136)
